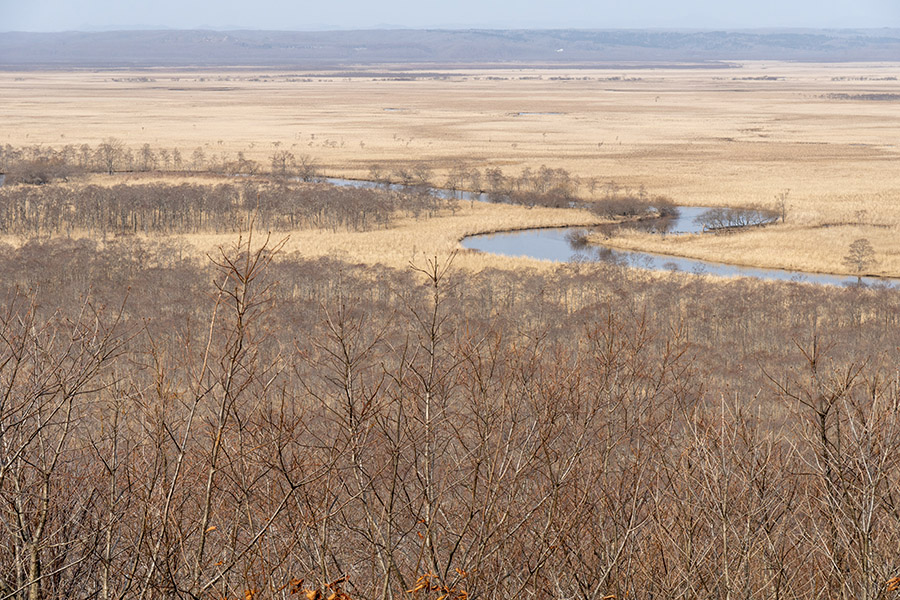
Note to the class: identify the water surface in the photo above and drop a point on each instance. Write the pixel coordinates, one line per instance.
(561, 244)
(556, 244)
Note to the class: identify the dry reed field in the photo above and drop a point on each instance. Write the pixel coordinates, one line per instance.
(407, 237)
(715, 134)
(413, 241)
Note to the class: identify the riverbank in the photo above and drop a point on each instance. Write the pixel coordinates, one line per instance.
(810, 249)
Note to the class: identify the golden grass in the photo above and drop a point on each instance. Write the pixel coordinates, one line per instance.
(790, 247)
(415, 240)
(706, 136)
(406, 241)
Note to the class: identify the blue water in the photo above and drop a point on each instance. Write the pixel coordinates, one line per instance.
(554, 245)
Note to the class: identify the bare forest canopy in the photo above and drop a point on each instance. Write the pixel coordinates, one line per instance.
(257, 424)
(336, 48)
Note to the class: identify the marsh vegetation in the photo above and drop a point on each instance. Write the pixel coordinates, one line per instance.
(734, 135)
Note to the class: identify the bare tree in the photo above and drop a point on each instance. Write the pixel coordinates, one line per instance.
(47, 367)
(165, 158)
(375, 173)
(198, 159)
(496, 181)
(110, 153)
(859, 258)
(456, 177)
(422, 174)
(149, 160)
(307, 168)
(781, 203)
(283, 164)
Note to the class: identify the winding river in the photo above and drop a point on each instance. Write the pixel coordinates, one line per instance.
(557, 244)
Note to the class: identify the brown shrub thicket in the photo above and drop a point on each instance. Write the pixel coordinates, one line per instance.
(262, 426)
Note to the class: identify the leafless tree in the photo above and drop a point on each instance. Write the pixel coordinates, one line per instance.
(198, 159)
(307, 168)
(781, 204)
(283, 164)
(48, 368)
(148, 158)
(860, 258)
(110, 154)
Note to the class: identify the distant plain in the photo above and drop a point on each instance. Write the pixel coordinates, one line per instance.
(720, 135)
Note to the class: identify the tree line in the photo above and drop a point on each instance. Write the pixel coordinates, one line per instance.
(38, 165)
(544, 186)
(260, 425)
(188, 208)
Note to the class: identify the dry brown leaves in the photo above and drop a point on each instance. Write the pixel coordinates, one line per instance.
(328, 591)
(429, 582)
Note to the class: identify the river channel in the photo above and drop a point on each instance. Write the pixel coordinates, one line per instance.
(560, 245)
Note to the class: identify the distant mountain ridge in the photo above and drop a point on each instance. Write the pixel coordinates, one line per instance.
(116, 49)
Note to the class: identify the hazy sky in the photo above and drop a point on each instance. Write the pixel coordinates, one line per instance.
(61, 15)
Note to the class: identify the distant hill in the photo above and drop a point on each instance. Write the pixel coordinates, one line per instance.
(336, 48)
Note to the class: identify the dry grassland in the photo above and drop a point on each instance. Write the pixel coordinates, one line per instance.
(782, 247)
(703, 136)
(406, 241)
(416, 240)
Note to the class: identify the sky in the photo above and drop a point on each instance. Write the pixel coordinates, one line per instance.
(91, 15)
